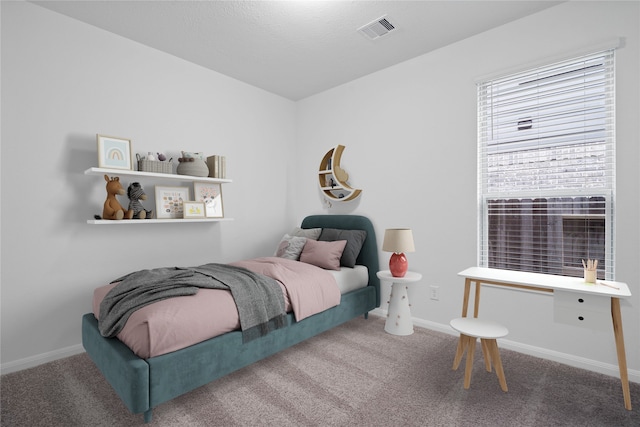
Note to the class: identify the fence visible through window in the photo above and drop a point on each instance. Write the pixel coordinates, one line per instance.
(547, 235)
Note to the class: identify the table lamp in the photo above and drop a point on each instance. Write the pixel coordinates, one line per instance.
(398, 241)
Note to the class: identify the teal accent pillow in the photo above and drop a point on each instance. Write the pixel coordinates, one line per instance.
(354, 238)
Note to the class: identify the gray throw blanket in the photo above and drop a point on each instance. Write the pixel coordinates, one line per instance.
(259, 298)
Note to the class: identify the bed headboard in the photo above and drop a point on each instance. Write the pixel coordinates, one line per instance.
(368, 255)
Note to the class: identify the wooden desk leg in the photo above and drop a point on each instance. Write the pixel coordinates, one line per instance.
(465, 300)
(476, 303)
(622, 358)
(462, 342)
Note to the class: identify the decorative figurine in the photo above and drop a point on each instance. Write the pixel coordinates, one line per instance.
(112, 208)
(135, 194)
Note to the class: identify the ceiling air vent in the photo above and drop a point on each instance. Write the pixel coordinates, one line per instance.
(377, 28)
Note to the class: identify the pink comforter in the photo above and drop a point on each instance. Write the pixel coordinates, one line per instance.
(175, 323)
(310, 289)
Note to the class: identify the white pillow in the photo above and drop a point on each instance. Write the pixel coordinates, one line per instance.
(290, 247)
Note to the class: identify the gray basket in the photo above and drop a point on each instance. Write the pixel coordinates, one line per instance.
(191, 166)
(154, 166)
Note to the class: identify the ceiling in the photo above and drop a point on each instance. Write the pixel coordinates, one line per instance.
(295, 48)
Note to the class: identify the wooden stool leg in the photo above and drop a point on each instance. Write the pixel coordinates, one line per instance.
(462, 344)
(486, 353)
(495, 355)
(471, 349)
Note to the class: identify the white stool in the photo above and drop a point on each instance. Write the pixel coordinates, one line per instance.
(470, 329)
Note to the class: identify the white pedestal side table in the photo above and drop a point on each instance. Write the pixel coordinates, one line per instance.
(399, 314)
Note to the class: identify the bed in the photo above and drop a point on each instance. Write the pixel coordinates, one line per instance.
(144, 383)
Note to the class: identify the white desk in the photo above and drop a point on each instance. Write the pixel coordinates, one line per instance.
(399, 314)
(575, 302)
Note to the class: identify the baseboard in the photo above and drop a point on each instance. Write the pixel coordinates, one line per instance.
(33, 361)
(543, 353)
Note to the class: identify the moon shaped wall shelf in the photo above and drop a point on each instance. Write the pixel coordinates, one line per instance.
(333, 179)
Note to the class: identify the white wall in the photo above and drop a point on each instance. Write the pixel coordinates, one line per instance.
(64, 81)
(410, 138)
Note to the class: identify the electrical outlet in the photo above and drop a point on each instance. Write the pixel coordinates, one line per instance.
(435, 292)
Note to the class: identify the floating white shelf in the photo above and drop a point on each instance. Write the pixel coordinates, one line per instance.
(153, 221)
(167, 176)
(157, 176)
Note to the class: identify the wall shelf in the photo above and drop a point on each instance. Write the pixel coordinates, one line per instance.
(155, 176)
(153, 221)
(167, 176)
(330, 171)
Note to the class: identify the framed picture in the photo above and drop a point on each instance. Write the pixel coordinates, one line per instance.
(170, 202)
(211, 195)
(114, 153)
(194, 210)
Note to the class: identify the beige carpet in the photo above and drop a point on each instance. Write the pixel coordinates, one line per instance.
(354, 375)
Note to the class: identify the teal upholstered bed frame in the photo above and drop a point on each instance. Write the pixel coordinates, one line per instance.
(143, 384)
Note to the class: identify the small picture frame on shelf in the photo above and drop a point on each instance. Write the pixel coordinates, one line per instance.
(114, 153)
(194, 210)
(211, 195)
(170, 202)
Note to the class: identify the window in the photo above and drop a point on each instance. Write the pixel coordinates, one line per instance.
(546, 170)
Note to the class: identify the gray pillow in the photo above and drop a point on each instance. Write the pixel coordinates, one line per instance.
(309, 233)
(354, 238)
(290, 247)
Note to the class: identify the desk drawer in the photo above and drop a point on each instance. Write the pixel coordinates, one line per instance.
(582, 301)
(585, 318)
(589, 311)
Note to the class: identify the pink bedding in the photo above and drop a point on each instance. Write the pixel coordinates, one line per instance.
(175, 323)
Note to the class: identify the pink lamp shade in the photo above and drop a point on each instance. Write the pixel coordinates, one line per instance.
(398, 241)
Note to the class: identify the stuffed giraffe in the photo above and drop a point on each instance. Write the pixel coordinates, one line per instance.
(112, 208)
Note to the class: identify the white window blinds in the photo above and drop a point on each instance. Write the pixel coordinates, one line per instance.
(546, 167)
